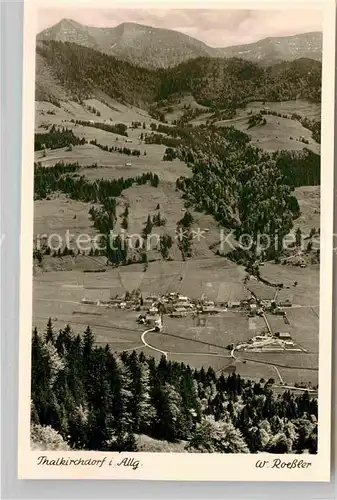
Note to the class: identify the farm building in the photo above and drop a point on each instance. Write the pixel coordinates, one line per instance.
(209, 303)
(88, 301)
(234, 304)
(285, 303)
(178, 314)
(154, 321)
(181, 309)
(272, 348)
(183, 298)
(210, 310)
(117, 300)
(148, 300)
(152, 297)
(283, 335)
(279, 312)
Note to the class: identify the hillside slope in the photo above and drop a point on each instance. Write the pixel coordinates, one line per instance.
(161, 48)
(275, 49)
(81, 72)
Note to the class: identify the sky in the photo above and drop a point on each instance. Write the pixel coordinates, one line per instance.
(217, 28)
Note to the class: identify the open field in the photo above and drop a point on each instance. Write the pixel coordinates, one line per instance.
(58, 295)
(113, 165)
(277, 134)
(260, 290)
(300, 106)
(113, 111)
(305, 324)
(217, 279)
(178, 104)
(308, 198)
(59, 214)
(305, 293)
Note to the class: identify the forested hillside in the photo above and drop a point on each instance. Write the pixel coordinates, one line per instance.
(243, 187)
(97, 400)
(213, 82)
(81, 70)
(232, 82)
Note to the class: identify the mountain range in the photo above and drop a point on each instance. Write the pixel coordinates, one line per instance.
(66, 70)
(162, 48)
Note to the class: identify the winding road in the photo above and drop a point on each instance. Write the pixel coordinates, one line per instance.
(232, 353)
(164, 353)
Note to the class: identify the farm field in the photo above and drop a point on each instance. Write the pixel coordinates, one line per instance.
(59, 294)
(110, 109)
(305, 293)
(113, 165)
(300, 106)
(217, 279)
(60, 214)
(308, 198)
(277, 134)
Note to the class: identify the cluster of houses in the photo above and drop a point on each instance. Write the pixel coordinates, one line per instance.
(258, 307)
(152, 308)
(177, 305)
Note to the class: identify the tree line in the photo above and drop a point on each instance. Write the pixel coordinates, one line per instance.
(56, 138)
(111, 149)
(117, 128)
(98, 400)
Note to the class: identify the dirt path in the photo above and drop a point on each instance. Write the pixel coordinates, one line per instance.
(278, 374)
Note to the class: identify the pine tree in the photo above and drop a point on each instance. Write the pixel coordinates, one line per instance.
(49, 335)
(40, 379)
(298, 237)
(88, 343)
(148, 227)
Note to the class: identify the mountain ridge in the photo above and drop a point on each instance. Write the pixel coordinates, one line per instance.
(74, 70)
(152, 47)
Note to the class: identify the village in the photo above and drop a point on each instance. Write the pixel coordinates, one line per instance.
(154, 308)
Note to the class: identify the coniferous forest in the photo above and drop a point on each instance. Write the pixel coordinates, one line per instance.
(85, 397)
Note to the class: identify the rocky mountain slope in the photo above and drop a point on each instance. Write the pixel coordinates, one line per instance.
(275, 49)
(161, 48)
(137, 44)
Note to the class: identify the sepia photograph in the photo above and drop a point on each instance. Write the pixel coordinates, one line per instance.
(176, 235)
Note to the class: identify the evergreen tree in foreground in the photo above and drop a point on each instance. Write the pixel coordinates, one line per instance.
(86, 397)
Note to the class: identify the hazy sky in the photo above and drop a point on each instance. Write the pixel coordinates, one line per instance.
(217, 28)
